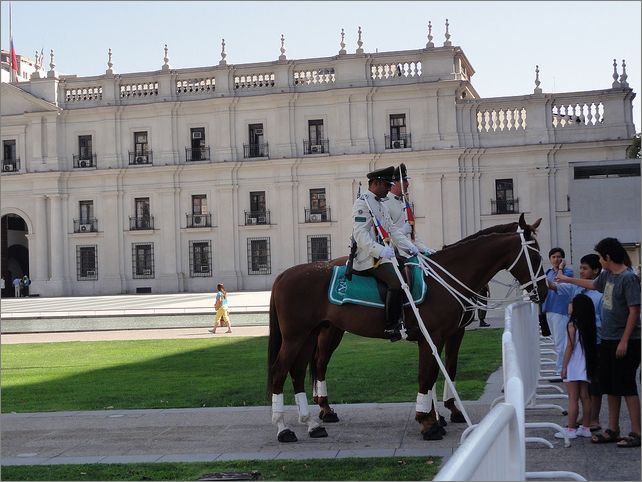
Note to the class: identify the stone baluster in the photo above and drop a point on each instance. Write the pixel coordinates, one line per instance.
(447, 43)
(430, 44)
(359, 42)
(342, 44)
(623, 77)
(537, 89)
(615, 75)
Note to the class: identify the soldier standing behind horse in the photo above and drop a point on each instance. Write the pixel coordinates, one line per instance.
(372, 230)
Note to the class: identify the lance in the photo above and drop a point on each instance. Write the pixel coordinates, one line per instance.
(408, 214)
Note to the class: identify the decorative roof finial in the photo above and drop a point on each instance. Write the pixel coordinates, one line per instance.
(430, 44)
(165, 60)
(615, 75)
(52, 65)
(623, 77)
(359, 42)
(342, 44)
(447, 43)
(537, 82)
(223, 54)
(282, 56)
(109, 70)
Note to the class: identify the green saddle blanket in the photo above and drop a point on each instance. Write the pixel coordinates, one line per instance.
(362, 290)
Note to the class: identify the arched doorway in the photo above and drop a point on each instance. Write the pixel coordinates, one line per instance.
(14, 251)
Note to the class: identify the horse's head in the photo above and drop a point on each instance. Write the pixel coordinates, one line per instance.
(528, 266)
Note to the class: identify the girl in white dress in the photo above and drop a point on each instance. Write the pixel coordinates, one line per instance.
(580, 362)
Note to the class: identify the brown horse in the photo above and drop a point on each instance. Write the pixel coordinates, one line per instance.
(299, 306)
(330, 337)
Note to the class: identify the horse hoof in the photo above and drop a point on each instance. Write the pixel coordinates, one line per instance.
(442, 421)
(287, 436)
(457, 417)
(318, 432)
(434, 433)
(328, 417)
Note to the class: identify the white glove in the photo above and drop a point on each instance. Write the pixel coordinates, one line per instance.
(406, 229)
(429, 251)
(387, 252)
(413, 250)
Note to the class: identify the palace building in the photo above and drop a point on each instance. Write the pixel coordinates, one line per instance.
(174, 180)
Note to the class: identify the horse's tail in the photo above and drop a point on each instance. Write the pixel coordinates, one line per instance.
(274, 343)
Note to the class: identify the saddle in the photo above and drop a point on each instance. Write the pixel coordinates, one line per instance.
(364, 290)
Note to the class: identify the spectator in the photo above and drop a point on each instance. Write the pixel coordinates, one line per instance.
(17, 282)
(556, 306)
(222, 314)
(26, 282)
(620, 347)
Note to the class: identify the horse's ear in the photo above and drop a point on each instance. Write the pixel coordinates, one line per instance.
(536, 224)
(522, 222)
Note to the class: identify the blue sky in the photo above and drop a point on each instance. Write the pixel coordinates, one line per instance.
(574, 43)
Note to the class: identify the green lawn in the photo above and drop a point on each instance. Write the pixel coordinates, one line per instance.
(215, 372)
(385, 468)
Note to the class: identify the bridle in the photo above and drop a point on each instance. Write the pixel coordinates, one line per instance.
(526, 246)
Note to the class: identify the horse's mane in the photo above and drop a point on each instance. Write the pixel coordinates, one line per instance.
(498, 228)
(471, 240)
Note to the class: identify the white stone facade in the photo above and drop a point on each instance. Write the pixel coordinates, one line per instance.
(257, 129)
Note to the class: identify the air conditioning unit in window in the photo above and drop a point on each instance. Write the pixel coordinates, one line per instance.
(205, 269)
(397, 144)
(84, 164)
(197, 135)
(258, 132)
(199, 220)
(147, 272)
(251, 220)
(140, 160)
(85, 228)
(7, 167)
(316, 218)
(90, 274)
(261, 219)
(316, 149)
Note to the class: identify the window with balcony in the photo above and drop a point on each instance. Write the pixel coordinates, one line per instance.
(199, 217)
(316, 142)
(318, 248)
(257, 146)
(86, 263)
(258, 256)
(86, 221)
(142, 218)
(10, 161)
(398, 138)
(200, 259)
(86, 156)
(198, 150)
(257, 213)
(142, 260)
(318, 211)
(504, 202)
(142, 154)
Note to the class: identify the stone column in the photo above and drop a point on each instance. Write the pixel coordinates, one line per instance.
(109, 252)
(39, 247)
(57, 245)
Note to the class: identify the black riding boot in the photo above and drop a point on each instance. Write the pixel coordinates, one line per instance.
(394, 306)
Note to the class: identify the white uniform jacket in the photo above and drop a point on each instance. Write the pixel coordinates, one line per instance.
(396, 207)
(364, 231)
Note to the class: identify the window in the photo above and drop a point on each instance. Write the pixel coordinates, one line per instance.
(256, 147)
(197, 139)
(504, 199)
(9, 150)
(199, 204)
(257, 201)
(317, 200)
(84, 148)
(612, 170)
(318, 248)
(86, 211)
(140, 144)
(142, 212)
(258, 256)
(397, 127)
(86, 263)
(315, 131)
(200, 259)
(142, 260)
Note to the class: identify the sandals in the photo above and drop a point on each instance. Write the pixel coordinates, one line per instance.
(633, 440)
(609, 436)
(595, 428)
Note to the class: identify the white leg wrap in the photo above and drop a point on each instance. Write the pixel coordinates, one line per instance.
(321, 389)
(277, 411)
(304, 411)
(423, 402)
(447, 394)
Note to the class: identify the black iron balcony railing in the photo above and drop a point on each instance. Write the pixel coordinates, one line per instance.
(197, 154)
(317, 215)
(138, 223)
(257, 217)
(199, 220)
(504, 207)
(88, 160)
(11, 165)
(85, 225)
(398, 141)
(256, 150)
(322, 146)
(146, 158)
